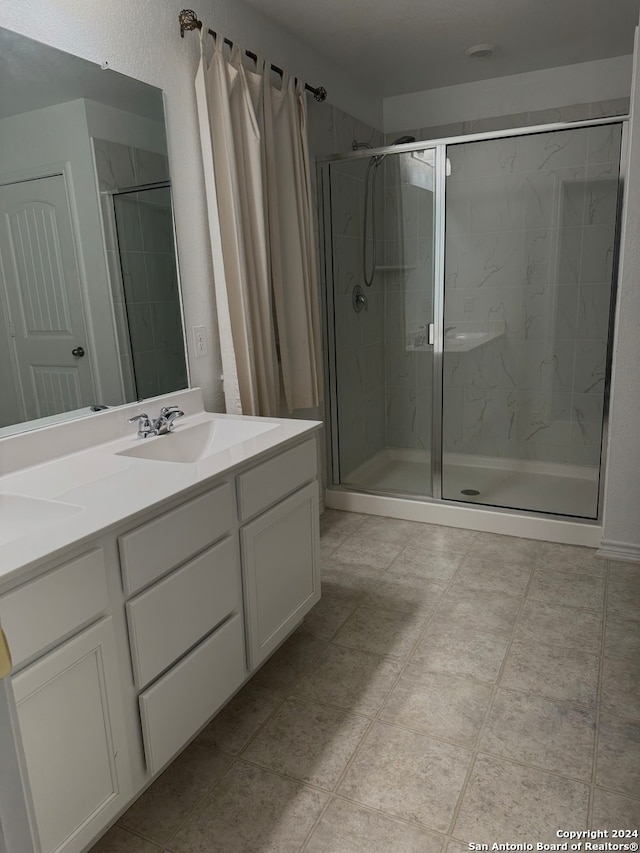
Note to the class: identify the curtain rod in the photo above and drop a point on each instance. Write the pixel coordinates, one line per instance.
(189, 21)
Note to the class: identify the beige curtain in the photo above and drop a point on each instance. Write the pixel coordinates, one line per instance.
(260, 218)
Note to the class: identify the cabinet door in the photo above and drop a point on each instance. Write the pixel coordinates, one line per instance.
(281, 572)
(70, 718)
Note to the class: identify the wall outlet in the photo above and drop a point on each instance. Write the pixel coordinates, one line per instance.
(200, 341)
(468, 305)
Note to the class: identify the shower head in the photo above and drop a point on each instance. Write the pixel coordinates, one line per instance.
(402, 140)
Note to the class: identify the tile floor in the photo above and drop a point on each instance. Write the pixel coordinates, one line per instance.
(450, 687)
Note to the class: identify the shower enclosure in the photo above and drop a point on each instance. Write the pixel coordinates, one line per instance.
(470, 290)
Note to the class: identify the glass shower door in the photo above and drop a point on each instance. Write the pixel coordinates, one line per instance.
(380, 251)
(530, 248)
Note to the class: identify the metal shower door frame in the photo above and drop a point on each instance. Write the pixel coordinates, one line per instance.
(326, 259)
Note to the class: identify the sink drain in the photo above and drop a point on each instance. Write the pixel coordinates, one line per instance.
(469, 492)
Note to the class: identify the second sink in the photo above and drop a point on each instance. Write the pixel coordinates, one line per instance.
(189, 444)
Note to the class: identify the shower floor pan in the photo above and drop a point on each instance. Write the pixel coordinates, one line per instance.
(526, 485)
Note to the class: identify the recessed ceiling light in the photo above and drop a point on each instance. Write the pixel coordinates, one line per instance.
(480, 51)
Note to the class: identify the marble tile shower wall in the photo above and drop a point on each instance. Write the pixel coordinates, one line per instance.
(143, 280)
(407, 280)
(530, 242)
(359, 341)
(359, 336)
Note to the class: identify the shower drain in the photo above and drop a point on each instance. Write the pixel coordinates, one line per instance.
(469, 492)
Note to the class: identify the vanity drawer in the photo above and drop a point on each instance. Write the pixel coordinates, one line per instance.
(182, 701)
(171, 616)
(268, 483)
(155, 548)
(53, 606)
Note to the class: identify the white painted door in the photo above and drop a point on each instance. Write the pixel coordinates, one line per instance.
(71, 723)
(44, 307)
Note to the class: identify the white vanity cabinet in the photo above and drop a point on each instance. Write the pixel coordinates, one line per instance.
(126, 649)
(68, 702)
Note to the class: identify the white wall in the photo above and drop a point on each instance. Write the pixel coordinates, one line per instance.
(621, 534)
(602, 80)
(142, 39)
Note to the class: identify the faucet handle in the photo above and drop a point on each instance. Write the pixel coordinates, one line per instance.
(168, 410)
(142, 417)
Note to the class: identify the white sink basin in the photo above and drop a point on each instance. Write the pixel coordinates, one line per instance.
(192, 443)
(19, 515)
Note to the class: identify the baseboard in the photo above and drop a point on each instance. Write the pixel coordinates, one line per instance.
(611, 550)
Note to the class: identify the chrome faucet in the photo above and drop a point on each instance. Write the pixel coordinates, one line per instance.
(145, 427)
(166, 421)
(161, 425)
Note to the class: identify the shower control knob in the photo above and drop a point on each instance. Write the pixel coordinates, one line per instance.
(359, 300)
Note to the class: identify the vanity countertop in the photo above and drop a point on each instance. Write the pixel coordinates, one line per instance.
(51, 506)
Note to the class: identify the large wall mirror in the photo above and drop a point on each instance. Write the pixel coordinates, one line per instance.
(90, 308)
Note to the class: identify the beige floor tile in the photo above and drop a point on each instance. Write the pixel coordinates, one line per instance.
(618, 763)
(163, 806)
(622, 638)
(329, 542)
(613, 811)
(487, 575)
(489, 612)
(346, 827)
(623, 598)
(460, 651)
(621, 687)
(551, 735)
(556, 624)
(421, 562)
(382, 631)
(343, 581)
(251, 811)
(570, 558)
(364, 551)
(508, 802)
(438, 704)
(231, 729)
(456, 847)
(351, 679)
(554, 672)
(568, 588)
(453, 540)
(506, 549)
(307, 741)
(407, 775)
(292, 660)
(621, 572)
(391, 530)
(118, 840)
(404, 592)
(337, 522)
(328, 615)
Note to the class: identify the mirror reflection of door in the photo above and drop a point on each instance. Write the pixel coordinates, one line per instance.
(43, 300)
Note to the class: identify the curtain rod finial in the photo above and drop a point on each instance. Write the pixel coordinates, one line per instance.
(188, 20)
(320, 94)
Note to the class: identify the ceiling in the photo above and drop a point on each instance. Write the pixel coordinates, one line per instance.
(401, 46)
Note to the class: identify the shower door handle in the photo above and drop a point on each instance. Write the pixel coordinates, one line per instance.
(431, 332)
